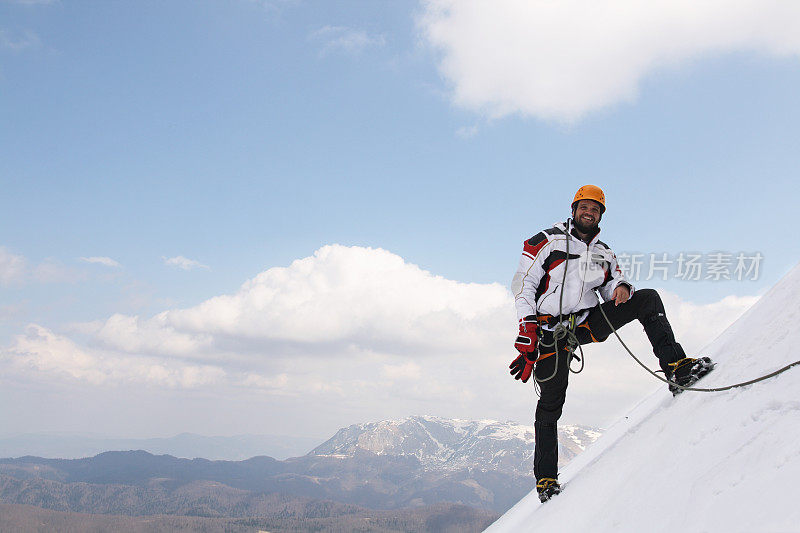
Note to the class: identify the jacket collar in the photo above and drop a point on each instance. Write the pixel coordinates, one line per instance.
(567, 229)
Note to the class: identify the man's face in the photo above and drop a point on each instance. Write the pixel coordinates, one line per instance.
(587, 215)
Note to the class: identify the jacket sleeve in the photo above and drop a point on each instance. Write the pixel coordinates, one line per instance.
(614, 278)
(529, 275)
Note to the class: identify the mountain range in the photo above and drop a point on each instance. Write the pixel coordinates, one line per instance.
(442, 444)
(417, 463)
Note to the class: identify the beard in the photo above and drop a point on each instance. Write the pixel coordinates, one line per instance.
(586, 228)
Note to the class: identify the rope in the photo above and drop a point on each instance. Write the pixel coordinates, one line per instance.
(561, 331)
(696, 389)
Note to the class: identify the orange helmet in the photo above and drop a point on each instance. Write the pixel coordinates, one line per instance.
(591, 192)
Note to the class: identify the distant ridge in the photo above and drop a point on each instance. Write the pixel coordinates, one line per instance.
(414, 462)
(185, 445)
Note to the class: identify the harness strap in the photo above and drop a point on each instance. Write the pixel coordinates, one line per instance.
(553, 321)
(560, 332)
(544, 356)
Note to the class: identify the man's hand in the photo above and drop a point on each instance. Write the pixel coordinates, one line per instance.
(526, 345)
(526, 338)
(522, 366)
(621, 294)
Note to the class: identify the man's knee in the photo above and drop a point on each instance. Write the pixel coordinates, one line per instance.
(649, 305)
(647, 295)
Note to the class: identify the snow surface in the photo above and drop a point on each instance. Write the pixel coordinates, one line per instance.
(723, 461)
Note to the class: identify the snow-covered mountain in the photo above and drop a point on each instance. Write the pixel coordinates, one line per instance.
(722, 461)
(451, 444)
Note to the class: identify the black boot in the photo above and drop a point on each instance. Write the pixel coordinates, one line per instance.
(547, 487)
(688, 371)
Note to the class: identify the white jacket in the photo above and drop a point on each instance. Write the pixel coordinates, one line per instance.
(538, 281)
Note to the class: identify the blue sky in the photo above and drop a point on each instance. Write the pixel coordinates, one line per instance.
(243, 135)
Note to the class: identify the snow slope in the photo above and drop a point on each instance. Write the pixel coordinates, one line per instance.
(724, 461)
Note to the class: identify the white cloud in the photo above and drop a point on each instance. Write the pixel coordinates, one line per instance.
(312, 321)
(41, 350)
(362, 297)
(354, 330)
(154, 336)
(346, 39)
(562, 60)
(12, 267)
(183, 263)
(105, 261)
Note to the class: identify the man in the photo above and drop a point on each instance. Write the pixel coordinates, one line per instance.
(558, 309)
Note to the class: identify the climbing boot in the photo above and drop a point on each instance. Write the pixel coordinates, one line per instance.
(687, 371)
(547, 487)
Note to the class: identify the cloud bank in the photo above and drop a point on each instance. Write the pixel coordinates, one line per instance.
(41, 350)
(354, 329)
(341, 304)
(562, 60)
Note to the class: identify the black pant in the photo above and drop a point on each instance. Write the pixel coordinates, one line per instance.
(644, 305)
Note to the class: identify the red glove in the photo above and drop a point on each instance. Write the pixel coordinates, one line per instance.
(526, 344)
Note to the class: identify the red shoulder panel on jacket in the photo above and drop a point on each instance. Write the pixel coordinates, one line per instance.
(534, 244)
